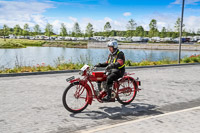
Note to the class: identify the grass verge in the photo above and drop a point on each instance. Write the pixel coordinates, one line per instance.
(71, 66)
(22, 43)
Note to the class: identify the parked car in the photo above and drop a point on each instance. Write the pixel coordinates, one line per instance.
(137, 39)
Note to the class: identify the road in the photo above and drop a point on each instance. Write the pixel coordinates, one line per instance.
(34, 103)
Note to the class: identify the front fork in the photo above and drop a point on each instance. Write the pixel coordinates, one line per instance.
(87, 87)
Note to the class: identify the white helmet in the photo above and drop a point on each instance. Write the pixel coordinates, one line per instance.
(112, 44)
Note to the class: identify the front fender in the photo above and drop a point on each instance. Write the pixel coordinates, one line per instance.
(74, 80)
(84, 83)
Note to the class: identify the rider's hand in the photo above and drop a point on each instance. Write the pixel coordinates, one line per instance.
(110, 66)
(98, 65)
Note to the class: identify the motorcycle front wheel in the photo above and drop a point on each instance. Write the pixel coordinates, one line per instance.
(75, 97)
(127, 92)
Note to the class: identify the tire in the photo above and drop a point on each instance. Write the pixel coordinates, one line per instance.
(130, 91)
(70, 98)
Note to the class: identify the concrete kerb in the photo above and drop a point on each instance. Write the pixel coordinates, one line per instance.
(71, 71)
(36, 73)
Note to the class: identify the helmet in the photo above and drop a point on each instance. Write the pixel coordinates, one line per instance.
(112, 44)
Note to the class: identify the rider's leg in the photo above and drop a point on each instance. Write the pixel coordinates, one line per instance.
(109, 84)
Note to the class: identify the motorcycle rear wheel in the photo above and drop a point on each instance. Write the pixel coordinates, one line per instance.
(127, 92)
(75, 97)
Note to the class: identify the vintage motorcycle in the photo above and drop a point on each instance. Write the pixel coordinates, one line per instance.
(82, 91)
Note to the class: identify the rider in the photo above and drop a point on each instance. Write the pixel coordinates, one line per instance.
(115, 64)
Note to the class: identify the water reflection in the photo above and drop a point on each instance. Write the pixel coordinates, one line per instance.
(48, 55)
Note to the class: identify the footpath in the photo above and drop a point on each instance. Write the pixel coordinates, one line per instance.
(182, 121)
(168, 102)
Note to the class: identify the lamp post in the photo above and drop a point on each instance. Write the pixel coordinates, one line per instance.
(180, 38)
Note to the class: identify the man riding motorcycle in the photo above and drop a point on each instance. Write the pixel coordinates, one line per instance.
(116, 64)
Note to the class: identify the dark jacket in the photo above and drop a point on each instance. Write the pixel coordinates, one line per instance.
(116, 61)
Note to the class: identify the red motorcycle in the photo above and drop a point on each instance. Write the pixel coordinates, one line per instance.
(82, 91)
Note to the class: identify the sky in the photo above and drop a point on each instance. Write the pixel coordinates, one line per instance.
(98, 12)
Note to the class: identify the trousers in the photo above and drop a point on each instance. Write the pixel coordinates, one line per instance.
(113, 76)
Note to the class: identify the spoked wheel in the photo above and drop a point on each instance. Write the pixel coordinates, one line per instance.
(75, 97)
(127, 92)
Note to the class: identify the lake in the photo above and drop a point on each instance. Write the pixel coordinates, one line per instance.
(51, 55)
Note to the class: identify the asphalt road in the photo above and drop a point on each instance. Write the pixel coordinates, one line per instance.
(34, 103)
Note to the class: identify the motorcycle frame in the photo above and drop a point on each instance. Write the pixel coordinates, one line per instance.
(91, 90)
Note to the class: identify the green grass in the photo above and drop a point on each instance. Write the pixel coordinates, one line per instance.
(22, 43)
(42, 68)
(19, 43)
(10, 44)
(30, 42)
(165, 61)
(66, 43)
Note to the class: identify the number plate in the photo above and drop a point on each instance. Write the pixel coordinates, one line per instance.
(69, 79)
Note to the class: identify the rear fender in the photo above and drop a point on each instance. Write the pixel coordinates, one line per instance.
(136, 82)
(84, 83)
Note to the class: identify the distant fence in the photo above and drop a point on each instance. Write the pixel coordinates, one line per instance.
(97, 44)
(157, 46)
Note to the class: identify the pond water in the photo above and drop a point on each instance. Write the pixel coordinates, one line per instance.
(50, 55)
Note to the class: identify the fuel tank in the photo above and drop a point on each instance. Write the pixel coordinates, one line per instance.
(98, 76)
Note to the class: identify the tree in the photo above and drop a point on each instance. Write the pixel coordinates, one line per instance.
(17, 30)
(139, 31)
(76, 29)
(185, 33)
(63, 29)
(121, 33)
(163, 32)
(198, 31)
(37, 29)
(113, 33)
(5, 31)
(89, 30)
(131, 25)
(49, 30)
(26, 29)
(146, 33)
(130, 33)
(177, 25)
(107, 27)
(153, 28)
(174, 34)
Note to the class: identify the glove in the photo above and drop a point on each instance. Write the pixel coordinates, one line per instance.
(110, 66)
(98, 65)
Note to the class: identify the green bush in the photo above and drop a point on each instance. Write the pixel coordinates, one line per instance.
(193, 59)
(128, 62)
(186, 60)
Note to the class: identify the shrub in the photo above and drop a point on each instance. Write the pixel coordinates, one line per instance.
(128, 62)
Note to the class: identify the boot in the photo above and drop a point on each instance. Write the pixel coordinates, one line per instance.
(108, 97)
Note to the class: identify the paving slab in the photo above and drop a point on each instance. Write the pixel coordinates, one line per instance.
(34, 103)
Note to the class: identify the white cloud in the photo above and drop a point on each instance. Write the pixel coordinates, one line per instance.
(191, 2)
(73, 19)
(168, 20)
(107, 19)
(192, 23)
(127, 14)
(98, 25)
(57, 24)
(12, 13)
